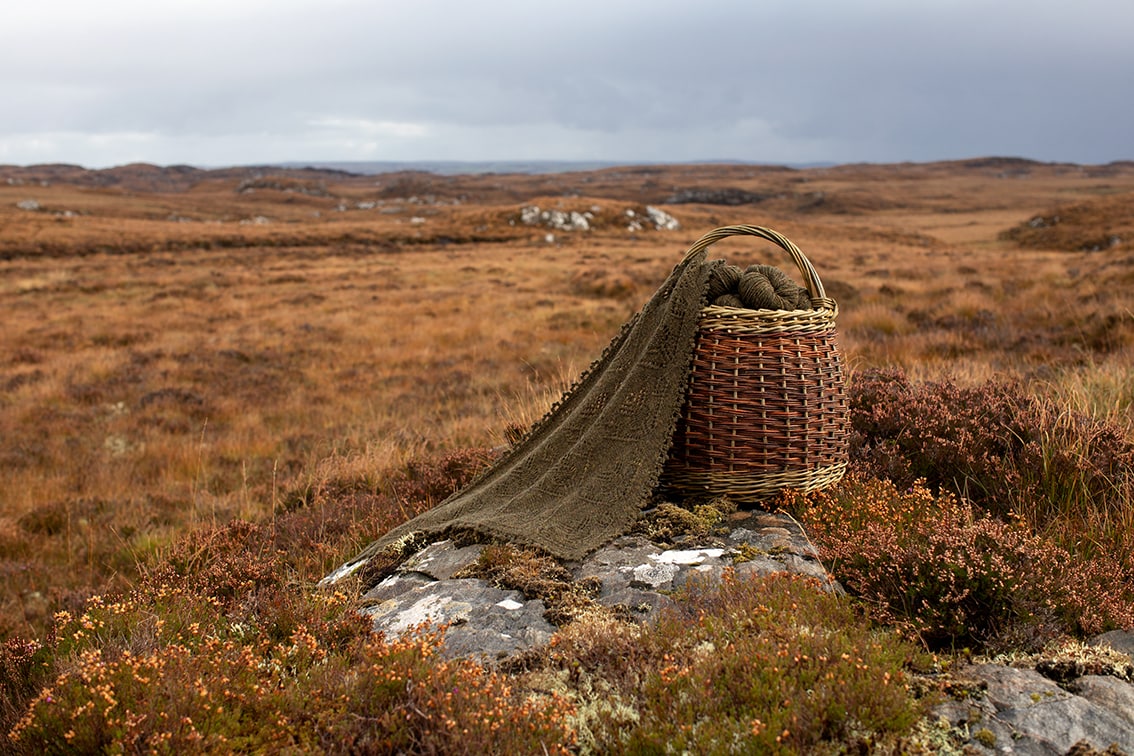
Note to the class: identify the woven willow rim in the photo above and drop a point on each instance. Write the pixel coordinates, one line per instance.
(786, 322)
(747, 486)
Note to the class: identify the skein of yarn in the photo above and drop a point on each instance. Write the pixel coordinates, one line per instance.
(758, 287)
(724, 279)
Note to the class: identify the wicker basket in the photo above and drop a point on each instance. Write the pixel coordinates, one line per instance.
(765, 407)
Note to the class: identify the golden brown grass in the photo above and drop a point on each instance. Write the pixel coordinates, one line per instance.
(168, 361)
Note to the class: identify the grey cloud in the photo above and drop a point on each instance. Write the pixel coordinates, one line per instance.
(817, 79)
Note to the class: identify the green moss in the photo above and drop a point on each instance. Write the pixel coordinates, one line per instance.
(745, 552)
(669, 521)
(985, 737)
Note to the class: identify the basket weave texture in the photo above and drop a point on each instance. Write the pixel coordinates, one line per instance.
(765, 406)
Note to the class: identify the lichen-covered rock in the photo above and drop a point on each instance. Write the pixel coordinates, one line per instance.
(631, 574)
(1021, 711)
(442, 560)
(1119, 640)
(483, 621)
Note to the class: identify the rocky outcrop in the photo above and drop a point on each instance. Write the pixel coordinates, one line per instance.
(1077, 700)
(1017, 707)
(730, 196)
(633, 575)
(560, 220)
(654, 217)
(649, 218)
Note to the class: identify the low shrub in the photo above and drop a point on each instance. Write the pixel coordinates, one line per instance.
(25, 666)
(432, 479)
(168, 673)
(769, 665)
(955, 576)
(224, 645)
(1009, 453)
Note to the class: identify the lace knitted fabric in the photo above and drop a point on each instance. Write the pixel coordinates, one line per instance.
(583, 473)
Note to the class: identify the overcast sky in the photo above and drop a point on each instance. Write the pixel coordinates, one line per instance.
(232, 82)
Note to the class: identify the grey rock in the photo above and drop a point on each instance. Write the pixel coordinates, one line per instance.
(771, 533)
(768, 541)
(632, 573)
(614, 564)
(977, 720)
(656, 576)
(395, 585)
(484, 621)
(642, 605)
(699, 575)
(690, 557)
(438, 603)
(1119, 640)
(346, 570)
(805, 566)
(1109, 693)
(1027, 713)
(1011, 689)
(443, 559)
(760, 566)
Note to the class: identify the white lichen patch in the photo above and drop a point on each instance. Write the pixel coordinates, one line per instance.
(686, 556)
(346, 570)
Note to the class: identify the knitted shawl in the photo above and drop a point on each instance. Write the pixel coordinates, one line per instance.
(584, 472)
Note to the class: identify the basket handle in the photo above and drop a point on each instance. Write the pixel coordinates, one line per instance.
(810, 277)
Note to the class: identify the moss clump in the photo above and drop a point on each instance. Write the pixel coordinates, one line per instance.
(669, 521)
(985, 737)
(745, 552)
(537, 576)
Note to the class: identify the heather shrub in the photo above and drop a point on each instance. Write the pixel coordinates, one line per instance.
(751, 666)
(421, 480)
(1008, 453)
(332, 514)
(24, 667)
(224, 646)
(955, 576)
(958, 439)
(168, 673)
(225, 563)
(432, 479)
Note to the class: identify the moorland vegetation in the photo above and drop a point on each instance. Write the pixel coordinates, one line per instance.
(215, 386)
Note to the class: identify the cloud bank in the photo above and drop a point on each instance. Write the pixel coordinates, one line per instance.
(223, 82)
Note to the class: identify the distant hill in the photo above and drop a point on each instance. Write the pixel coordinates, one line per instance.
(453, 167)
(469, 167)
